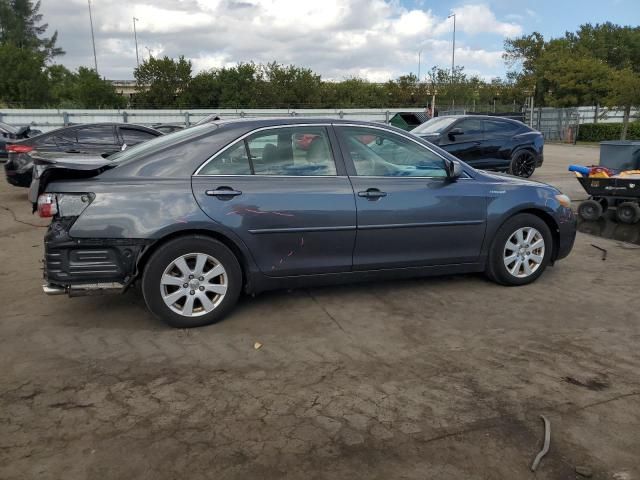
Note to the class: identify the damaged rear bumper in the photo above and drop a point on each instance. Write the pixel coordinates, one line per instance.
(84, 266)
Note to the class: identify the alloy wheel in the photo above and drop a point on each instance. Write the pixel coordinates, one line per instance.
(194, 284)
(524, 164)
(524, 252)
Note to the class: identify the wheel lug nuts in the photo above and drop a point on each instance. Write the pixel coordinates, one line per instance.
(185, 285)
(190, 277)
(201, 279)
(201, 289)
(192, 292)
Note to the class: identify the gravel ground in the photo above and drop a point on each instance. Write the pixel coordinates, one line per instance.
(431, 378)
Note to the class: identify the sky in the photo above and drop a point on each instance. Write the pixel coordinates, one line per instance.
(373, 39)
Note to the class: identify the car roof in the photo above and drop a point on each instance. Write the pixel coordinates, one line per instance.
(35, 138)
(485, 117)
(275, 121)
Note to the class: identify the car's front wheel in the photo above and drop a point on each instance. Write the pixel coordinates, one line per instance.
(191, 281)
(523, 164)
(520, 251)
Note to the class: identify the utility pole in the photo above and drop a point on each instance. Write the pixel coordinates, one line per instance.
(419, 55)
(93, 39)
(135, 36)
(453, 49)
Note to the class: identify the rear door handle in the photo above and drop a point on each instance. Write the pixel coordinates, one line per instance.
(223, 192)
(372, 194)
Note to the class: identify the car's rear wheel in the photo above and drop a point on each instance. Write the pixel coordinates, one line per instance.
(520, 251)
(523, 163)
(191, 281)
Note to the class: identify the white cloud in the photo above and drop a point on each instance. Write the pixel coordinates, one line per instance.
(375, 39)
(478, 18)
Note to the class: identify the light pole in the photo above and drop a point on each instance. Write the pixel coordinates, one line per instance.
(419, 55)
(93, 39)
(135, 36)
(453, 49)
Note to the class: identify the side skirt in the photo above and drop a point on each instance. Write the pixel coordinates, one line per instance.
(260, 282)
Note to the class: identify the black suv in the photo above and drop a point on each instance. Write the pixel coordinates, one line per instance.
(490, 143)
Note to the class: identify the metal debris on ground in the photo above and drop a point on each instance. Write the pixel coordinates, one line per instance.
(545, 447)
(603, 250)
(257, 345)
(584, 471)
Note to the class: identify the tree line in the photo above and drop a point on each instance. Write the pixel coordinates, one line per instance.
(597, 64)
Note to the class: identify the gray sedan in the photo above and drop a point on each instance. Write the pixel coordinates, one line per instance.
(203, 214)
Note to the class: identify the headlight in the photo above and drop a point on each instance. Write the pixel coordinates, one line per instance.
(563, 200)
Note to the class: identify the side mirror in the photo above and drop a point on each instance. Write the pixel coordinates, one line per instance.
(455, 131)
(454, 170)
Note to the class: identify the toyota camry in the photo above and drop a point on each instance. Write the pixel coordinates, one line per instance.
(201, 215)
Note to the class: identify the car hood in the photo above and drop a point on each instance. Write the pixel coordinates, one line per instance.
(429, 137)
(505, 178)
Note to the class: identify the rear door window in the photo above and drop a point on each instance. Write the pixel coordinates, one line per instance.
(497, 127)
(295, 151)
(233, 161)
(96, 135)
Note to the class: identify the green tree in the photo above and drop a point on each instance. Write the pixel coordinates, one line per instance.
(624, 92)
(290, 86)
(203, 90)
(20, 25)
(574, 69)
(241, 86)
(23, 80)
(91, 91)
(162, 82)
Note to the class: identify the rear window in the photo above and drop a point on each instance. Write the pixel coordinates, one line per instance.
(498, 127)
(158, 143)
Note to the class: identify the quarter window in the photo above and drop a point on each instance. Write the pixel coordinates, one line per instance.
(385, 154)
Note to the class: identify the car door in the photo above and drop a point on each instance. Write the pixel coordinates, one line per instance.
(291, 204)
(498, 142)
(96, 139)
(409, 213)
(467, 145)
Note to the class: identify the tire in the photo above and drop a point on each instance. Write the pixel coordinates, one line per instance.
(536, 260)
(628, 212)
(523, 163)
(189, 261)
(590, 210)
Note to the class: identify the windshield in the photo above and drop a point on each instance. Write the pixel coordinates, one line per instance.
(160, 142)
(435, 125)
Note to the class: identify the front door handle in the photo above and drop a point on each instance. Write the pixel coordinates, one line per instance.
(223, 192)
(372, 194)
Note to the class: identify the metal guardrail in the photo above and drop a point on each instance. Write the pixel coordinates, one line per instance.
(46, 120)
